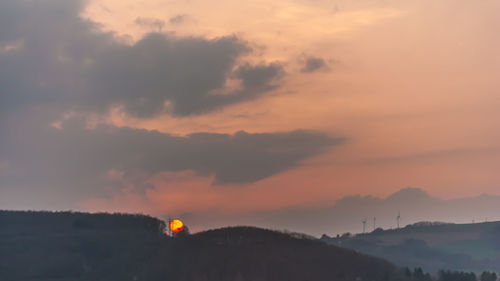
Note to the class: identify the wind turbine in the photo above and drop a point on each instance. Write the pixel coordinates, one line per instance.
(374, 223)
(364, 225)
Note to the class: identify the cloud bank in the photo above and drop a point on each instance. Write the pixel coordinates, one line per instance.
(76, 159)
(51, 55)
(53, 63)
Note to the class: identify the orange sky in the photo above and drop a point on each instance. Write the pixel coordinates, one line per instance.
(412, 85)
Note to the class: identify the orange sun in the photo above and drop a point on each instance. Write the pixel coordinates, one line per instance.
(176, 225)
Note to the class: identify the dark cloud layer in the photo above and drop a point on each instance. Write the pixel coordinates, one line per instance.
(62, 58)
(77, 158)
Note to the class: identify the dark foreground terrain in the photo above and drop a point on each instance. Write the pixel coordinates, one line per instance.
(432, 246)
(115, 247)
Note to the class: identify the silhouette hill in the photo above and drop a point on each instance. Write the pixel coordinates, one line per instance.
(79, 246)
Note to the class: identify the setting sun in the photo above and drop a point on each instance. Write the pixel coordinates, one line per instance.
(176, 225)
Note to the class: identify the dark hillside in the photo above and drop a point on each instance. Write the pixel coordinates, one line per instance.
(77, 246)
(258, 254)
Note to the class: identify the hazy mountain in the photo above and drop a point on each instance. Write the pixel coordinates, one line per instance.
(347, 213)
(77, 246)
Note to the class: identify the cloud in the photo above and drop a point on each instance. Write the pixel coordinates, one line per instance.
(312, 64)
(67, 60)
(57, 68)
(77, 160)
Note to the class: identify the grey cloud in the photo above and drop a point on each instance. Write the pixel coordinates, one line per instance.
(255, 81)
(66, 60)
(259, 78)
(312, 64)
(74, 160)
(159, 68)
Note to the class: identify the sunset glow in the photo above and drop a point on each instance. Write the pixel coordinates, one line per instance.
(249, 112)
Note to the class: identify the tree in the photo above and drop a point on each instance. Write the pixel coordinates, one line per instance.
(488, 276)
(407, 272)
(457, 276)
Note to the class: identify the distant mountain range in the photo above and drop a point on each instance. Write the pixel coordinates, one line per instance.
(347, 213)
(431, 245)
(67, 246)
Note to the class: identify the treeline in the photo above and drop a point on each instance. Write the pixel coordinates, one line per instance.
(79, 246)
(64, 220)
(466, 276)
(446, 275)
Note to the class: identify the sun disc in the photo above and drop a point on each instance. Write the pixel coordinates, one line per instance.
(176, 225)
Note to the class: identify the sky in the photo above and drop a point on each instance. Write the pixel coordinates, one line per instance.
(270, 113)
